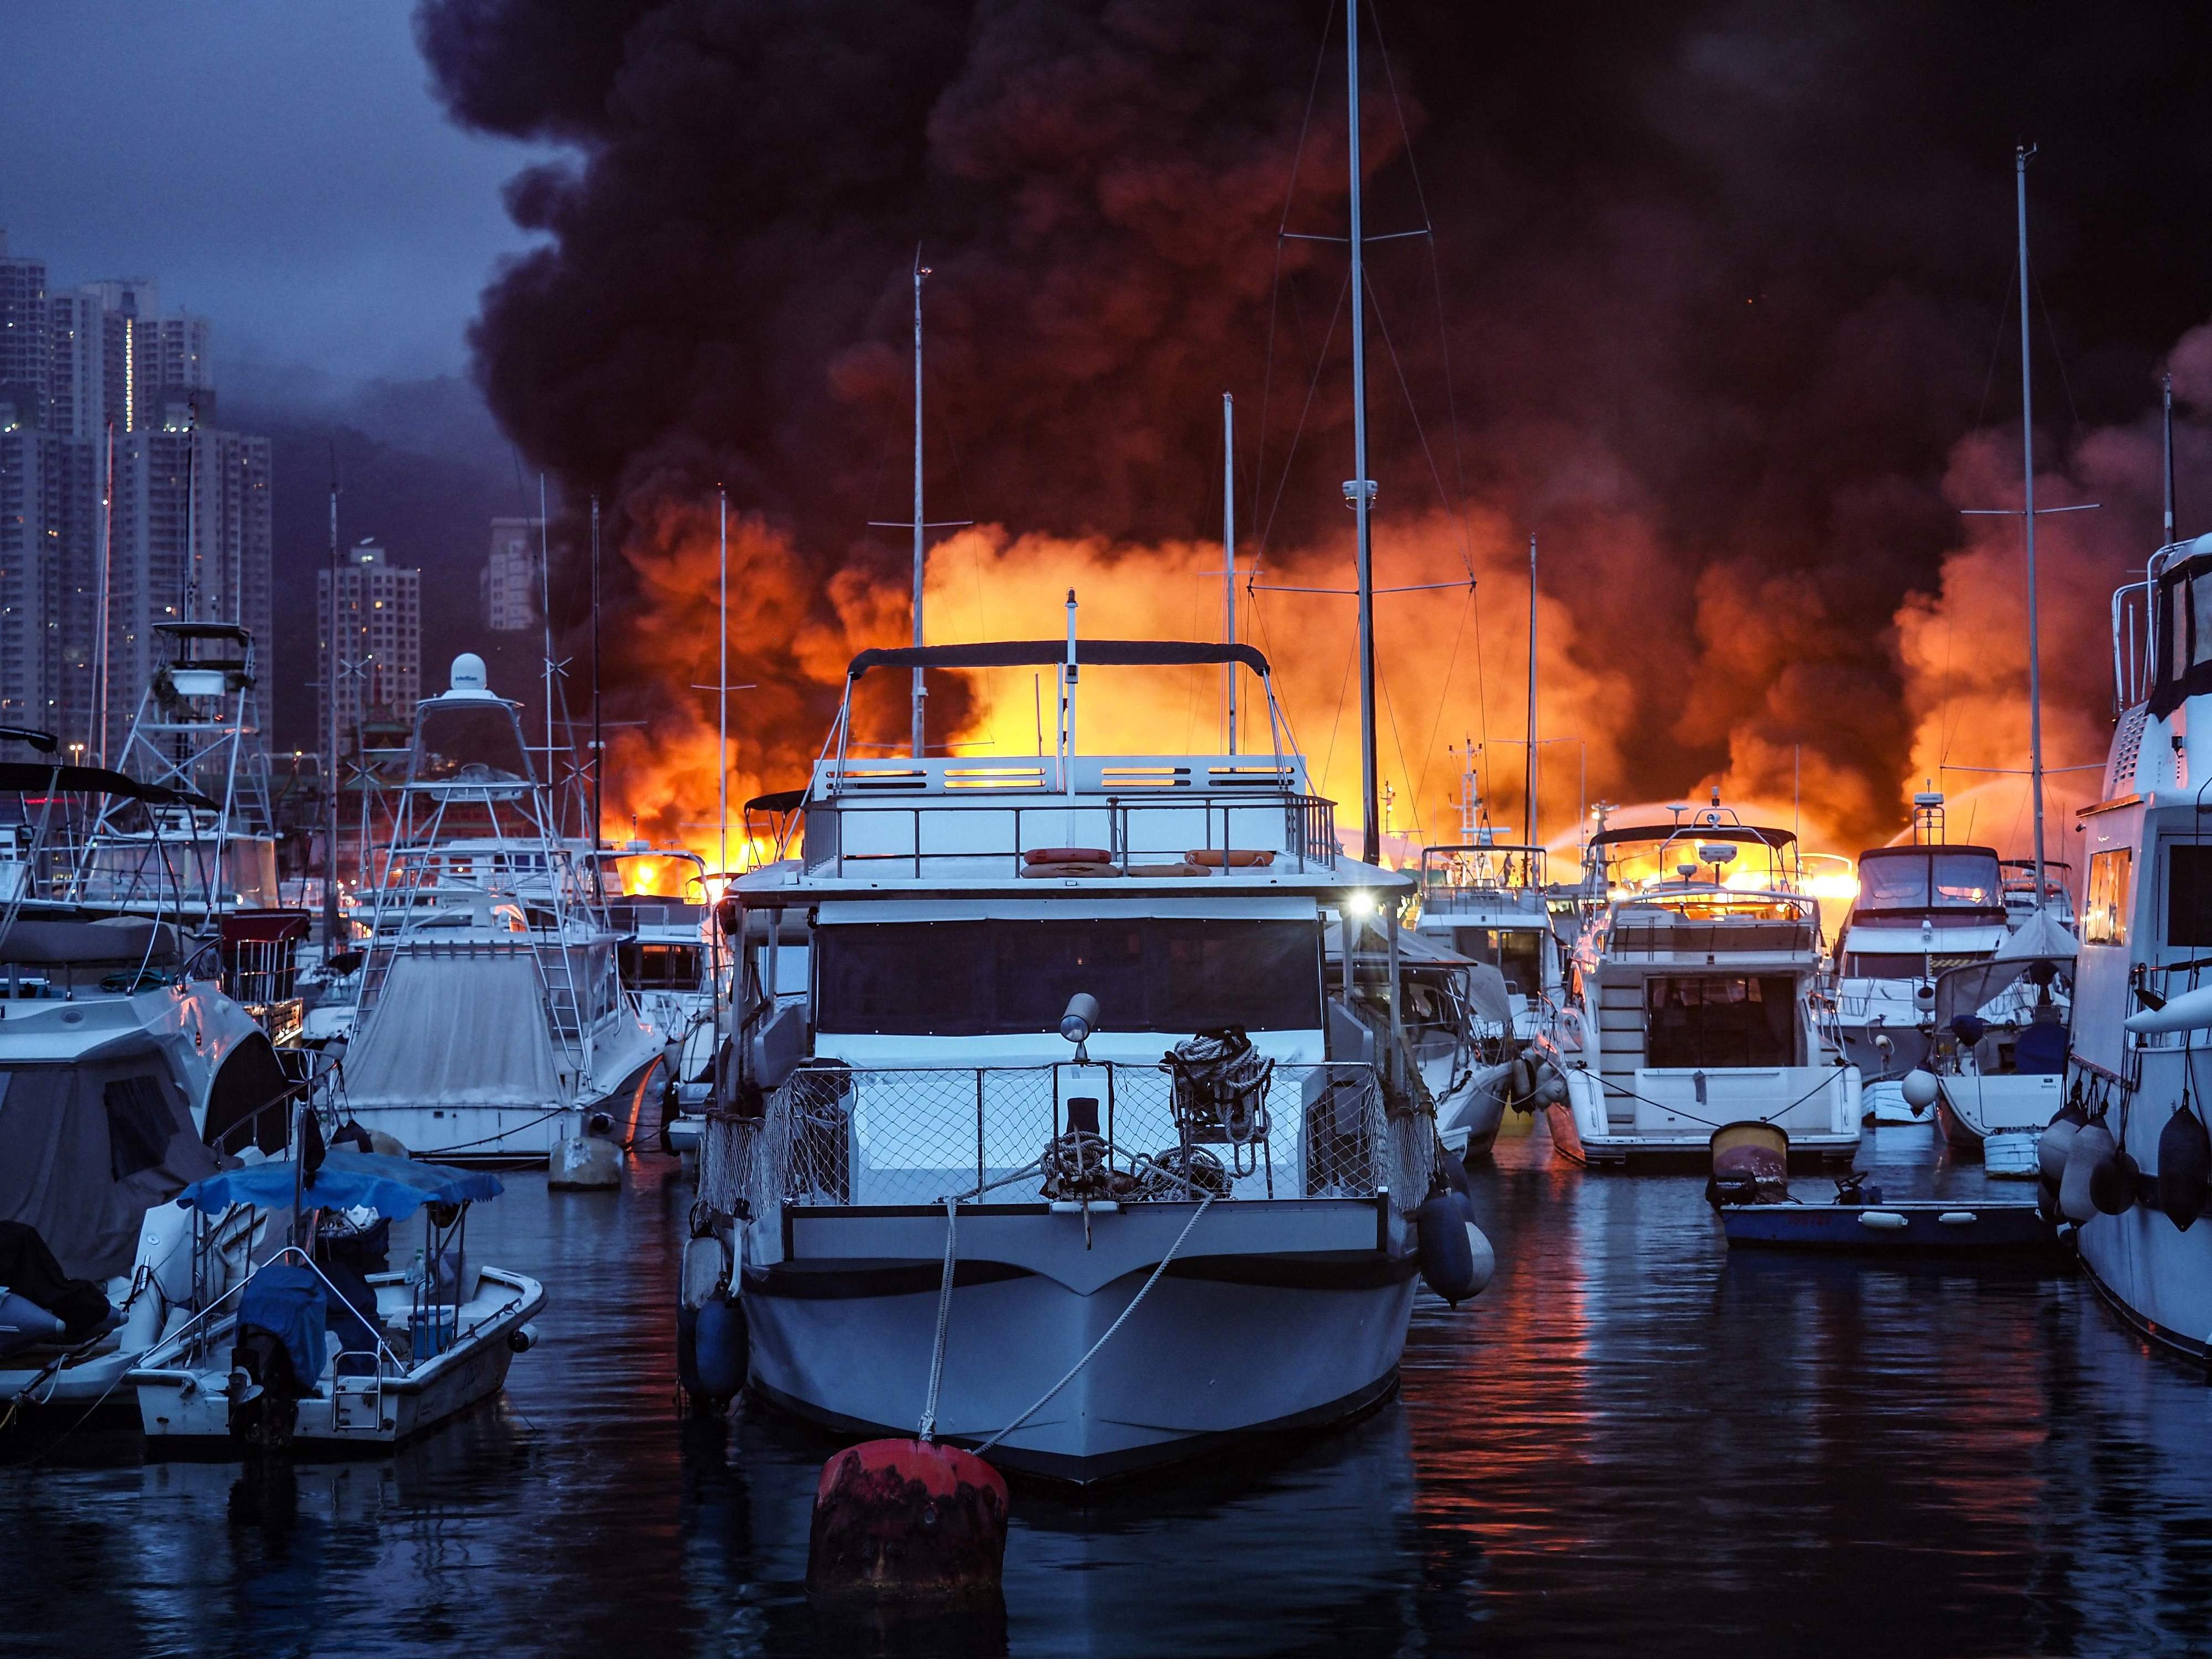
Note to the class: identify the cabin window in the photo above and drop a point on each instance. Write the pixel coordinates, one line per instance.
(2189, 894)
(1013, 977)
(2111, 884)
(1929, 881)
(661, 967)
(1515, 952)
(1721, 1019)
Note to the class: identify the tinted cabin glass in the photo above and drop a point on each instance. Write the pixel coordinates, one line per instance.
(1894, 884)
(1966, 881)
(1721, 1020)
(2188, 895)
(1515, 952)
(998, 978)
(470, 743)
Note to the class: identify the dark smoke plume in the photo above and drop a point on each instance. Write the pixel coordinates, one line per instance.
(1723, 289)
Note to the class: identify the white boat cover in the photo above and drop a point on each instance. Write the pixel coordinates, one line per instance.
(87, 1148)
(461, 1031)
(2041, 938)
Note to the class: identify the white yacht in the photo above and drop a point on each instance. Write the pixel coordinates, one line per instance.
(492, 1025)
(670, 958)
(125, 1072)
(1692, 1003)
(2142, 1004)
(2001, 1040)
(1066, 1055)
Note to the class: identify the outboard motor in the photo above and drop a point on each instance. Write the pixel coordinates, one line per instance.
(1751, 1164)
(278, 1357)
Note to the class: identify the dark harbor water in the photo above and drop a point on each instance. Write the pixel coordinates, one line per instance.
(1631, 1444)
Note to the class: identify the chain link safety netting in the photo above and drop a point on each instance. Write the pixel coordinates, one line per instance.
(833, 1136)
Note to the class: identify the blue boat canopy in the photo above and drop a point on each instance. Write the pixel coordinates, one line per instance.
(395, 1188)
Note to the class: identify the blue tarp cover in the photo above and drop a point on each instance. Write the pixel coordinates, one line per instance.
(288, 1302)
(393, 1187)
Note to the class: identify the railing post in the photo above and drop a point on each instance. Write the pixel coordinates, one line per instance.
(980, 1177)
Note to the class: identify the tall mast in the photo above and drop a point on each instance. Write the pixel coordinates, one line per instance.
(2027, 454)
(2169, 460)
(1360, 489)
(598, 755)
(920, 691)
(331, 927)
(1229, 546)
(1528, 833)
(545, 618)
(722, 688)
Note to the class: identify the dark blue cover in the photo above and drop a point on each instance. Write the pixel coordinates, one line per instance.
(288, 1302)
(395, 1188)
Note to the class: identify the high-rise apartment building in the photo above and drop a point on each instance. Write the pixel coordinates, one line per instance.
(122, 502)
(514, 575)
(378, 672)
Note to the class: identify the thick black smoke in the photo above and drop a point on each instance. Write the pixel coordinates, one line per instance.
(1721, 286)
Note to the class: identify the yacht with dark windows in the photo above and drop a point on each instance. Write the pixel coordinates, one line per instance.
(1691, 998)
(1061, 1058)
(2141, 1057)
(1922, 909)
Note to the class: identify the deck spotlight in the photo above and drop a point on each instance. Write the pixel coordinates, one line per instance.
(1359, 903)
(1080, 1020)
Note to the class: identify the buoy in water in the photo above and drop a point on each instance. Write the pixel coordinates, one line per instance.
(2185, 1165)
(584, 1161)
(913, 1519)
(2092, 1150)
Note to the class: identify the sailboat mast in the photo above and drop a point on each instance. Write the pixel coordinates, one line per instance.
(722, 688)
(599, 752)
(1528, 832)
(1360, 489)
(2168, 435)
(2027, 454)
(332, 925)
(920, 689)
(1228, 547)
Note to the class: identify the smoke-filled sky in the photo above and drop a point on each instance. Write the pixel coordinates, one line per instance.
(1719, 302)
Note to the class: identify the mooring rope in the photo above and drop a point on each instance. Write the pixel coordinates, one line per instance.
(1045, 1399)
(928, 1431)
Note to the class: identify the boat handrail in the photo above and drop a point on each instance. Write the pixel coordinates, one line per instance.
(1132, 831)
(834, 1136)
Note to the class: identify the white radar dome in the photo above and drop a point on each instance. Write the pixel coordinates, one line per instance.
(468, 672)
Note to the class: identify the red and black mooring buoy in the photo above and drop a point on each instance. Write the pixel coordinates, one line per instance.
(907, 1518)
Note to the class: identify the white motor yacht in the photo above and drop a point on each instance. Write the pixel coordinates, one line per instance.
(492, 1025)
(670, 958)
(1921, 911)
(1692, 1004)
(2143, 1005)
(1065, 1075)
(2001, 1038)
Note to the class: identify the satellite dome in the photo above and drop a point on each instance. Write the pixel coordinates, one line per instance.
(468, 672)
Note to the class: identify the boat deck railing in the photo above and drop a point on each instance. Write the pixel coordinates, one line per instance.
(834, 1136)
(1172, 831)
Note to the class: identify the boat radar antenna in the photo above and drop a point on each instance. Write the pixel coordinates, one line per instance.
(1927, 815)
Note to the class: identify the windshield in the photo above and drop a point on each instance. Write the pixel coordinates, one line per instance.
(1515, 952)
(1006, 977)
(469, 742)
(1925, 879)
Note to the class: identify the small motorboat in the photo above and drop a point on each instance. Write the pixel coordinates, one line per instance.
(1750, 1189)
(321, 1344)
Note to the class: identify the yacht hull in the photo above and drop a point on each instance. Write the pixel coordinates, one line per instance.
(1256, 1331)
(512, 1136)
(1971, 1109)
(1467, 1124)
(1675, 1114)
(2156, 1276)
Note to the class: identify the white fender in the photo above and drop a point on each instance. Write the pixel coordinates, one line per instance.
(2190, 1012)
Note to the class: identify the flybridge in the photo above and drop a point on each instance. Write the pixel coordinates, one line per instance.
(1063, 813)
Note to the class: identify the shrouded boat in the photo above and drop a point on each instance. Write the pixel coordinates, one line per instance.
(493, 1026)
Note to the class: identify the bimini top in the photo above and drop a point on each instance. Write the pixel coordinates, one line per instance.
(395, 1188)
(1044, 654)
(25, 777)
